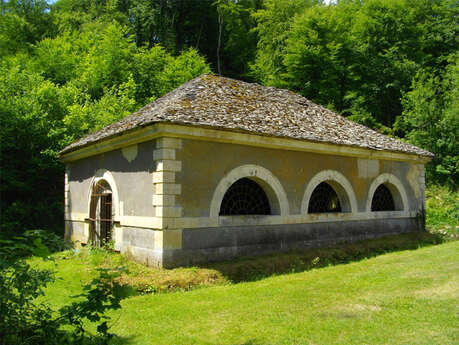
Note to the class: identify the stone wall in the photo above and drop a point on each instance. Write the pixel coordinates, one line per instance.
(167, 194)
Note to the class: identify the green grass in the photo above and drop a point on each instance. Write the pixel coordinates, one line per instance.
(405, 297)
(349, 294)
(82, 264)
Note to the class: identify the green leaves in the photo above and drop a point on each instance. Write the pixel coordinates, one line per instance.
(431, 120)
(28, 320)
(355, 57)
(65, 88)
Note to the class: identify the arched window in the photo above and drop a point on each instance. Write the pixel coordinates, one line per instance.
(328, 192)
(386, 193)
(382, 199)
(245, 197)
(269, 184)
(324, 199)
(101, 213)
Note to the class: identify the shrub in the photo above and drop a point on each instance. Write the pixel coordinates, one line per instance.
(442, 212)
(24, 319)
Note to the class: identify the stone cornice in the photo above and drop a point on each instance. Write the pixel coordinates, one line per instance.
(224, 136)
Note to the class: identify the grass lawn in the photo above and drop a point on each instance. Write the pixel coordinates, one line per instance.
(406, 297)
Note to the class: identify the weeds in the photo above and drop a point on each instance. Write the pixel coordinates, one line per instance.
(442, 212)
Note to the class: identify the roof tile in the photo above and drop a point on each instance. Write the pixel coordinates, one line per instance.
(229, 104)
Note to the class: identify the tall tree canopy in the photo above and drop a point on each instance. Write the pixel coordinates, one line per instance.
(59, 87)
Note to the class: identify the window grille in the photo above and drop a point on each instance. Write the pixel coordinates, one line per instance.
(324, 199)
(245, 197)
(382, 199)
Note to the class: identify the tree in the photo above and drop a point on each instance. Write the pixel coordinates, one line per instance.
(430, 119)
(22, 23)
(273, 25)
(63, 89)
(320, 58)
(30, 108)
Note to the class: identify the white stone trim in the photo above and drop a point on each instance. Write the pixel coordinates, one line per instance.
(396, 188)
(158, 130)
(168, 188)
(259, 174)
(164, 186)
(164, 177)
(168, 211)
(422, 189)
(208, 222)
(339, 183)
(66, 193)
(130, 152)
(169, 165)
(169, 143)
(163, 154)
(163, 200)
(76, 217)
(237, 221)
(140, 222)
(103, 174)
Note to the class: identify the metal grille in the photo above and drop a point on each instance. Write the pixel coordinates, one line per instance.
(324, 199)
(105, 217)
(101, 213)
(382, 199)
(245, 197)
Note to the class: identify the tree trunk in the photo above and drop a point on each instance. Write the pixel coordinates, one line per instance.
(220, 25)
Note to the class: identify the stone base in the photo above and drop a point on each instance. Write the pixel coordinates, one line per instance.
(224, 243)
(201, 245)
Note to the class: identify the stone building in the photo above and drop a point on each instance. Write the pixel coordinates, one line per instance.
(220, 168)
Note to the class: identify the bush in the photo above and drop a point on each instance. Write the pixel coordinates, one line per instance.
(26, 320)
(442, 212)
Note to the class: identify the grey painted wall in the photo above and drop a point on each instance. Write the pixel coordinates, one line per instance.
(133, 179)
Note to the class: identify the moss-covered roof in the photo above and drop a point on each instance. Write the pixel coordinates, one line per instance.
(228, 104)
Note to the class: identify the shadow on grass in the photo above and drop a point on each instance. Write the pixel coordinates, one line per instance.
(259, 267)
(251, 342)
(117, 340)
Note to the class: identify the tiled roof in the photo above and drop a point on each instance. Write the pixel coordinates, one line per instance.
(223, 103)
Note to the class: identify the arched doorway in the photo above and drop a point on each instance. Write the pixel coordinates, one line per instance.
(101, 214)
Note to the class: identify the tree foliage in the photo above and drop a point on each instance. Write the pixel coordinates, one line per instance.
(371, 60)
(61, 88)
(360, 57)
(27, 320)
(431, 119)
(273, 23)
